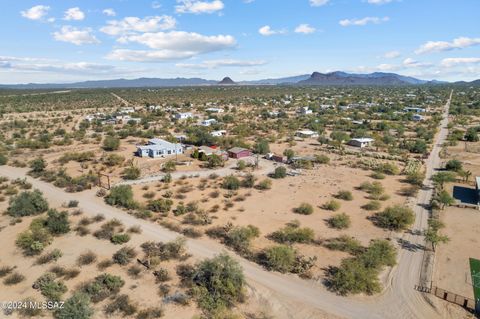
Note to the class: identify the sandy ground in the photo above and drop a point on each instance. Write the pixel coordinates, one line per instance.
(452, 264)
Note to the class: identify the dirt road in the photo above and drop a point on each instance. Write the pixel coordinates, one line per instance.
(399, 300)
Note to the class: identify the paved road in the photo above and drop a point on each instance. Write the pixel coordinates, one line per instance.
(399, 300)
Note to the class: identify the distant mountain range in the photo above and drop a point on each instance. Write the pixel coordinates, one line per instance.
(315, 79)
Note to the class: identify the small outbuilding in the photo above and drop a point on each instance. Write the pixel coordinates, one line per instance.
(361, 142)
(239, 152)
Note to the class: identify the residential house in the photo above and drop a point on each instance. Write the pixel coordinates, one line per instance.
(306, 134)
(126, 110)
(239, 152)
(159, 148)
(361, 142)
(208, 122)
(153, 108)
(183, 116)
(414, 109)
(215, 110)
(305, 111)
(218, 133)
(418, 117)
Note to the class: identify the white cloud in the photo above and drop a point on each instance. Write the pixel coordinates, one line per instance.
(387, 67)
(318, 3)
(449, 62)
(198, 7)
(379, 1)
(74, 14)
(109, 12)
(53, 66)
(134, 24)
(36, 12)
(363, 21)
(438, 46)
(214, 64)
(75, 35)
(411, 63)
(268, 31)
(304, 28)
(171, 46)
(391, 55)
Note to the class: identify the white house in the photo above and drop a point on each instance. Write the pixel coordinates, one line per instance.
(154, 107)
(361, 142)
(218, 133)
(208, 122)
(159, 148)
(305, 110)
(306, 133)
(414, 109)
(215, 110)
(126, 110)
(183, 116)
(418, 117)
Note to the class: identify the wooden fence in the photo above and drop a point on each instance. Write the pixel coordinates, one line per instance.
(467, 303)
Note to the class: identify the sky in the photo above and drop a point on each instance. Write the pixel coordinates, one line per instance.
(45, 41)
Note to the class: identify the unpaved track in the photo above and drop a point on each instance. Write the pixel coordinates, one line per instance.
(399, 300)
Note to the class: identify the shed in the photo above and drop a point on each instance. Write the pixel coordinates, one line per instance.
(239, 152)
(361, 142)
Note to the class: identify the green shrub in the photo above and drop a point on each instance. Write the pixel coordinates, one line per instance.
(264, 185)
(322, 159)
(340, 221)
(86, 258)
(121, 195)
(124, 255)
(49, 287)
(57, 223)
(75, 307)
(280, 172)
(279, 258)
(454, 165)
(121, 304)
(353, 277)
(372, 205)
(395, 218)
(293, 234)
(345, 195)
(218, 283)
(248, 181)
(53, 255)
(38, 165)
(151, 313)
(35, 239)
(119, 239)
(377, 175)
(165, 251)
(231, 182)
(239, 238)
(344, 243)
(160, 205)
(13, 279)
(131, 173)
(304, 209)
(332, 205)
(102, 287)
(27, 203)
(111, 143)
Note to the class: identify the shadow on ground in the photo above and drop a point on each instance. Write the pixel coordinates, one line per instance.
(465, 195)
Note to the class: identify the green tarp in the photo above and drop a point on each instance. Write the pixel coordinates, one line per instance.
(475, 271)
